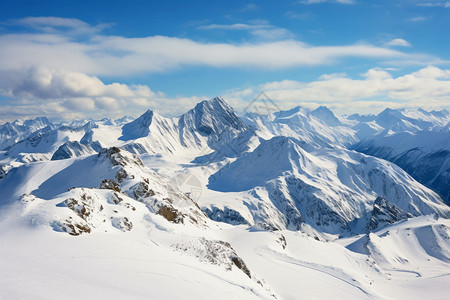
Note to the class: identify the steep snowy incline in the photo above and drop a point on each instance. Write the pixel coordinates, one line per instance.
(333, 190)
(425, 155)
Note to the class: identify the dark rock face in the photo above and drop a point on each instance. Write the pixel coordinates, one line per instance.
(385, 213)
(226, 215)
(110, 184)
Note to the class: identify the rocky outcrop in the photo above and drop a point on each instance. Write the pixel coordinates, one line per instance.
(385, 213)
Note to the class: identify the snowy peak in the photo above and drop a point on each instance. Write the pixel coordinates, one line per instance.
(73, 149)
(268, 161)
(38, 122)
(296, 111)
(301, 124)
(390, 118)
(211, 117)
(11, 133)
(138, 128)
(326, 115)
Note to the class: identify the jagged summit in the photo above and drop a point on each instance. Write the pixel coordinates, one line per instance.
(211, 117)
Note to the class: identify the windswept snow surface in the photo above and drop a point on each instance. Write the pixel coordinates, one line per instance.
(209, 205)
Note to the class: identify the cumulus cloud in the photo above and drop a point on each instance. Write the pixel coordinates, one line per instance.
(376, 89)
(398, 42)
(40, 82)
(62, 94)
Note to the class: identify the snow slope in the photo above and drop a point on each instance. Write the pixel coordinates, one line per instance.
(303, 125)
(425, 155)
(332, 190)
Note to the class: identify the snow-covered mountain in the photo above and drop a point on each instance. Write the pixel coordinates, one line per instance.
(332, 190)
(270, 206)
(425, 155)
(205, 128)
(392, 121)
(11, 133)
(302, 124)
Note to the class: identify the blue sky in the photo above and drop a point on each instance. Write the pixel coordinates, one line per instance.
(71, 59)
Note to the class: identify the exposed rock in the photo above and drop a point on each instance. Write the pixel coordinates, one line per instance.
(385, 213)
(74, 228)
(116, 199)
(110, 185)
(3, 171)
(171, 214)
(83, 207)
(226, 215)
(123, 224)
(214, 252)
(141, 190)
(282, 241)
(119, 157)
(121, 175)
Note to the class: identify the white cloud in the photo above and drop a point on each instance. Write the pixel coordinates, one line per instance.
(55, 74)
(40, 82)
(377, 89)
(62, 94)
(398, 42)
(109, 55)
(79, 104)
(116, 55)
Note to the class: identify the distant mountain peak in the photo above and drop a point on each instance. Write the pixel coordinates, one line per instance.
(326, 115)
(211, 116)
(139, 127)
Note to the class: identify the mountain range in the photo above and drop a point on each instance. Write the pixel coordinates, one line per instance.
(237, 200)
